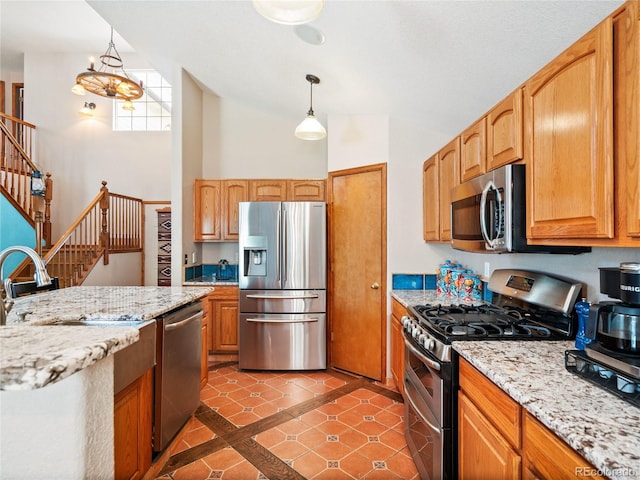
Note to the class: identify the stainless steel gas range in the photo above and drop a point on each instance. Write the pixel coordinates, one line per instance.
(526, 305)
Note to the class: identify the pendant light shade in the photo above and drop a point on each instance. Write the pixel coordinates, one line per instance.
(310, 128)
(289, 12)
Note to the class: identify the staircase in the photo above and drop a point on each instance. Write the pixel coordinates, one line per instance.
(111, 223)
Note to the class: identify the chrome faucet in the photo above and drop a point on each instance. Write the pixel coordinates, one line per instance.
(41, 277)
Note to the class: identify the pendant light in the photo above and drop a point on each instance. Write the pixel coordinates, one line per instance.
(311, 128)
(110, 79)
(289, 12)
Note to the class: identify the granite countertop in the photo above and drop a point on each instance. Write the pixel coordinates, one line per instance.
(601, 427)
(34, 353)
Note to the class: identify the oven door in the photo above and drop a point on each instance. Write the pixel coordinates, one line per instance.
(428, 424)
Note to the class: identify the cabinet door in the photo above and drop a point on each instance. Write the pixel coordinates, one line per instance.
(268, 190)
(430, 200)
(206, 210)
(473, 150)
(225, 338)
(397, 344)
(233, 192)
(546, 456)
(569, 154)
(482, 451)
(306, 190)
(504, 131)
(448, 177)
(132, 415)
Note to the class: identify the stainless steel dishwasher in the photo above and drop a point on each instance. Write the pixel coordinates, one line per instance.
(177, 375)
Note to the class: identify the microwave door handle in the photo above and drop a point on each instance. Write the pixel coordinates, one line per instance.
(483, 222)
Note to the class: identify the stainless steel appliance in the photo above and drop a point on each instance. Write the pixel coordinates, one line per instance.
(177, 374)
(488, 214)
(526, 305)
(612, 358)
(282, 279)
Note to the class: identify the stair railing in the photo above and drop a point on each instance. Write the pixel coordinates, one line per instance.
(111, 223)
(16, 168)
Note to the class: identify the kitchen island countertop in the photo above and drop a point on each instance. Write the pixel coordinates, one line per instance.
(601, 427)
(34, 354)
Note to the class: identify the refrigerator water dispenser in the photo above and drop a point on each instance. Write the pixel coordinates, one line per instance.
(255, 257)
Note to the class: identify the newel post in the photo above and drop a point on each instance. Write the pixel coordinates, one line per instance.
(104, 209)
(48, 196)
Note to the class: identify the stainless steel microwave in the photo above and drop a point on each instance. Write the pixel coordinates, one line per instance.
(488, 214)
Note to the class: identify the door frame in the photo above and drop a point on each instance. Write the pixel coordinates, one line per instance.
(382, 168)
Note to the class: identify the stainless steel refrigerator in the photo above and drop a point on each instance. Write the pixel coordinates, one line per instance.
(282, 277)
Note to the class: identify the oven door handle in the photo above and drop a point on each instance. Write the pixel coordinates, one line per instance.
(414, 405)
(421, 357)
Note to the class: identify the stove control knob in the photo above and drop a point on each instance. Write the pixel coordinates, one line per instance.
(415, 332)
(421, 339)
(406, 321)
(429, 343)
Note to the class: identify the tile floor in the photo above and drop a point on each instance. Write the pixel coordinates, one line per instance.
(292, 425)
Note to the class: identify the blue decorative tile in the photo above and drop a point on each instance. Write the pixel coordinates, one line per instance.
(189, 274)
(208, 270)
(404, 281)
(429, 281)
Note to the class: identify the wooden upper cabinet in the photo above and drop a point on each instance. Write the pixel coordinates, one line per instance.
(448, 177)
(233, 192)
(473, 150)
(207, 210)
(306, 190)
(504, 131)
(569, 154)
(430, 200)
(268, 190)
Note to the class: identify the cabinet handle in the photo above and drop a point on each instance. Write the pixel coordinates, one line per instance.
(375, 285)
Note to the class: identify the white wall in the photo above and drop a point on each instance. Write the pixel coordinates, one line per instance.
(123, 269)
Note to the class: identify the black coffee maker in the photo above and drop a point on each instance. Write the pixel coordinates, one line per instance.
(614, 327)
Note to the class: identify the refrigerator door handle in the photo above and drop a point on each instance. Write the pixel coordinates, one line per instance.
(278, 248)
(282, 320)
(285, 248)
(283, 297)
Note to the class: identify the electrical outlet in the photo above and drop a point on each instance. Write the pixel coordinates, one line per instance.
(186, 259)
(193, 257)
(487, 269)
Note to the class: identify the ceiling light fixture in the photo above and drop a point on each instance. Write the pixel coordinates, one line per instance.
(289, 12)
(311, 128)
(110, 79)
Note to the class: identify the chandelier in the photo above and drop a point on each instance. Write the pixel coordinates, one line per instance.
(110, 79)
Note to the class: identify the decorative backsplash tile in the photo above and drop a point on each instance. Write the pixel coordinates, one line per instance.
(413, 281)
(229, 273)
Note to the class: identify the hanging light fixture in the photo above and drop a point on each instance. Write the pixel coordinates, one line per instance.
(289, 12)
(110, 79)
(311, 128)
(88, 109)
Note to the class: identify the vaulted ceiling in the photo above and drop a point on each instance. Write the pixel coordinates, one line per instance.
(439, 63)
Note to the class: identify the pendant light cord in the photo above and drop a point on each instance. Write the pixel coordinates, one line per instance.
(310, 112)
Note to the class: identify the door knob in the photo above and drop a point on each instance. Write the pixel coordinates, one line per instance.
(375, 285)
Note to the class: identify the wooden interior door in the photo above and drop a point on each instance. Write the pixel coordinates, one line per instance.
(357, 270)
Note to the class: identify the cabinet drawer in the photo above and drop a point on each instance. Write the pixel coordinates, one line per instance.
(224, 293)
(497, 406)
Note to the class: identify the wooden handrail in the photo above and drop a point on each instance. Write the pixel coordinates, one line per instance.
(17, 165)
(110, 223)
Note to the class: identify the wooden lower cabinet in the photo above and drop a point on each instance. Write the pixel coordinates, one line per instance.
(483, 451)
(133, 420)
(498, 439)
(206, 343)
(223, 326)
(397, 344)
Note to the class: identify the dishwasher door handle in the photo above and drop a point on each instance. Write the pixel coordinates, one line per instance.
(283, 297)
(282, 320)
(177, 325)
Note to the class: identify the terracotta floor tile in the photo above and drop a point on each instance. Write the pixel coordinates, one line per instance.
(356, 465)
(333, 450)
(359, 435)
(197, 469)
(312, 437)
(309, 464)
